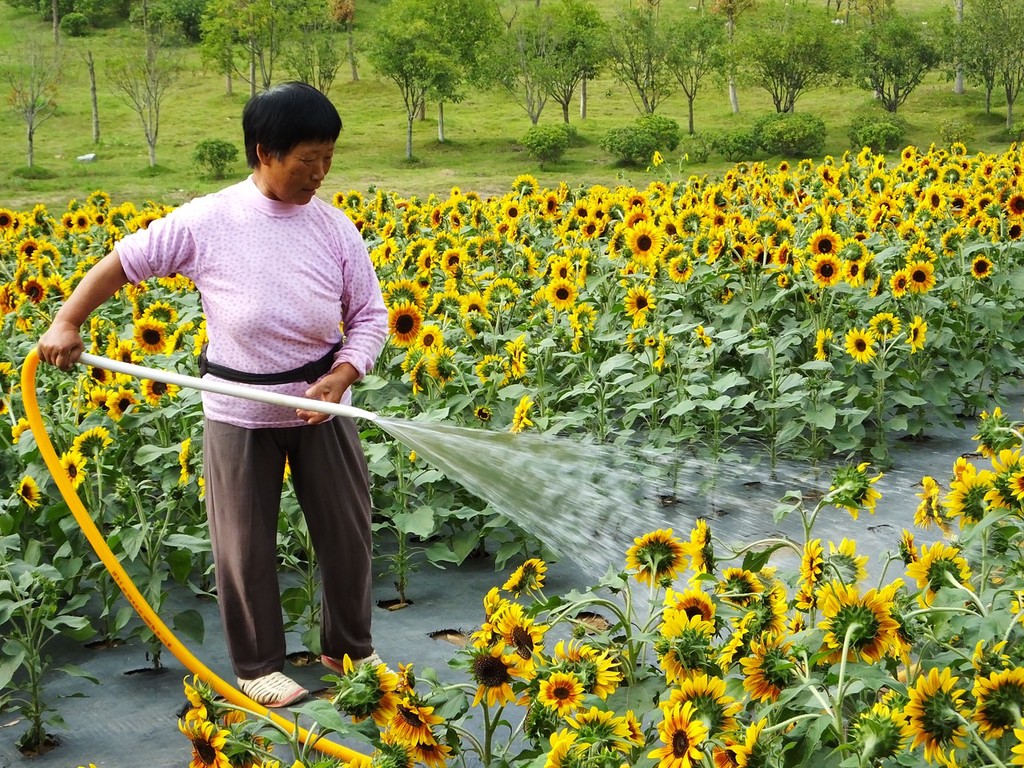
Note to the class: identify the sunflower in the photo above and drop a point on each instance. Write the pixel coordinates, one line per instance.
(862, 624)
(822, 341)
(934, 718)
(936, 568)
(684, 736)
(981, 267)
(1004, 491)
(851, 489)
(208, 740)
(917, 333)
(33, 289)
(119, 401)
(412, 722)
(639, 301)
(768, 670)
(367, 691)
(563, 746)
(404, 323)
(691, 602)
(74, 467)
(827, 269)
(474, 303)
(877, 733)
(596, 669)
(483, 413)
(561, 294)
(812, 567)
(899, 283)
(739, 587)
(825, 242)
(431, 337)
(521, 417)
(28, 491)
(155, 391)
(1000, 700)
(562, 692)
(921, 274)
(860, 344)
(645, 241)
(655, 557)
(527, 578)
(885, 325)
(966, 498)
(701, 548)
(601, 730)
(995, 433)
(844, 562)
(711, 704)
(509, 628)
(493, 672)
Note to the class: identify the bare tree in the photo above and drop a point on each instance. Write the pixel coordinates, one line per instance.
(344, 12)
(90, 63)
(731, 10)
(33, 74)
(141, 79)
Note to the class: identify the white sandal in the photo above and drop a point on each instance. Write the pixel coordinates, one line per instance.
(273, 690)
(338, 666)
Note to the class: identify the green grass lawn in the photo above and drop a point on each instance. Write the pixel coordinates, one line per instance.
(480, 153)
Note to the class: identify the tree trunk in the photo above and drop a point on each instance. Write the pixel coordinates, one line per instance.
(421, 113)
(408, 136)
(352, 54)
(91, 64)
(583, 99)
(565, 113)
(252, 74)
(55, 9)
(440, 122)
(988, 100)
(958, 80)
(689, 105)
(152, 153)
(31, 133)
(734, 100)
(1009, 114)
(229, 86)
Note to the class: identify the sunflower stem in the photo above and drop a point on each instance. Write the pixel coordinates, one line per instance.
(974, 598)
(982, 745)
(841, 682)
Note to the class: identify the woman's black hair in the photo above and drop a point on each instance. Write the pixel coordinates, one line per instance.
(286, 115)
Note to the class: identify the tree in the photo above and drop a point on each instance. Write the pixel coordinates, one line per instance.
(141, 78)
(892, 57)
(577, 51)
(973, 57)
(344, 12)
(793, 50)
(313, 54)
(699, 50)
(33, 75)
(248, 37)
(529, 48)
(407, 49)
(732, 10)
(1002, 23)
(638, 50)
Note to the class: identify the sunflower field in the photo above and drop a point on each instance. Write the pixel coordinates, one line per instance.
(811, 311)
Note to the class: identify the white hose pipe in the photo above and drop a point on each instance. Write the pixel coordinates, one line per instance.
(227, 388)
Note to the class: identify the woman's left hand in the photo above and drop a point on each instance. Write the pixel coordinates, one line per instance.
(329, 388)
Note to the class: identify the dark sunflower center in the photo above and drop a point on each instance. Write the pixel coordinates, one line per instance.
(34, 291)
(825, 246)
(561, 692)
(404, 324)
(490, 671)
(428, 340)
(680, 743)
(159, 388)
(641, 303)
(860, 345)
(919, 276)
(151, 336)
(523, 642)
(123, 403)
(644, 243)
(410, 717)
(827, 270)
(562, 294)
(72, 471)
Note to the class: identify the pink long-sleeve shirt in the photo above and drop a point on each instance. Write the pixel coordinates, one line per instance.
(276, 280)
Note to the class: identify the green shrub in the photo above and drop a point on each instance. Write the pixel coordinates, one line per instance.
(546, 143)
(665, 129)
(74, 25)
(634, 144)
(698, 147)
(881, 131)
(954, 130)
(215, 155)
(790, 135)
(736, 145)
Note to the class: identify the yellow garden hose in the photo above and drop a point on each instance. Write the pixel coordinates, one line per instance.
(113, 566)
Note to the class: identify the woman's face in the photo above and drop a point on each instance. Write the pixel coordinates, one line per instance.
(295, 177)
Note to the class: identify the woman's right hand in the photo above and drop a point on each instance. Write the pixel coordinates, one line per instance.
(61, 345)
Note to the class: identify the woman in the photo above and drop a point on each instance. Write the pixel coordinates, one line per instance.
(280, 273)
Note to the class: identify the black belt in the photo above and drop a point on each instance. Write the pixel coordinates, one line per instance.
(309, 372)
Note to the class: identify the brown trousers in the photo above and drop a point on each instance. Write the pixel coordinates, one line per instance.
(244, 471)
